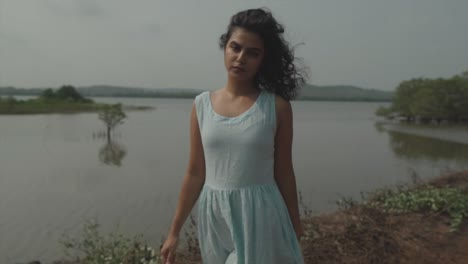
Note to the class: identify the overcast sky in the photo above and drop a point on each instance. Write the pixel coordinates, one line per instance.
(165, 44)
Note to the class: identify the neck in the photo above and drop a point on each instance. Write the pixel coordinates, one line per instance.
(236, 87)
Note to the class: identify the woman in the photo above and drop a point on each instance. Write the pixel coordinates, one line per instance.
(240, 153)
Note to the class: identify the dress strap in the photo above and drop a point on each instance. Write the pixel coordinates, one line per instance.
(201, 107)
(267, 103)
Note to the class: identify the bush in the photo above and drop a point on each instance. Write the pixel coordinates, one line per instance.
(94, 248)
(447, 200)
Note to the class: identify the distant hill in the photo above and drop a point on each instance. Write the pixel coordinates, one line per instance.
(308, 92)
(342, 93)
(110, 91)
(20, 91)
(119, 91)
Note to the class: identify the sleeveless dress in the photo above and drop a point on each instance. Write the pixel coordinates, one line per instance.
(242, 217)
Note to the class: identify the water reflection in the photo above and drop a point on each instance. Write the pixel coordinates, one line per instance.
(415, 147)
(112, 153)
(380, 127)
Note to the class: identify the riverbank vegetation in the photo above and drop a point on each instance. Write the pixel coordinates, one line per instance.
(426, 101)
(63, 100)
(421, 222)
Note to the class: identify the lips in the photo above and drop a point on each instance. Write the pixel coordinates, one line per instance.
(238, 68)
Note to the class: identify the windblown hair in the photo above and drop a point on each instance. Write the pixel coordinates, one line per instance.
(277, 73)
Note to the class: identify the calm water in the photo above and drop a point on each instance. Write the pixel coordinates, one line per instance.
(55, 172)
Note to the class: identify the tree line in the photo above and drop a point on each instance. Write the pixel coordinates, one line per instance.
(430, 100)
(66, 93)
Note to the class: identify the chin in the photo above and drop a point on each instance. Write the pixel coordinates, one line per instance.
(240, 77)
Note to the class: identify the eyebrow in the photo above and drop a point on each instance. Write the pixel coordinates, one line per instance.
(253, 49)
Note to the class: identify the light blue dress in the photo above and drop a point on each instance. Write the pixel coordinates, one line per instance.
(242, 217)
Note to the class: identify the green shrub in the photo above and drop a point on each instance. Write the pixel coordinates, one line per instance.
(94, 248)
(447, 200)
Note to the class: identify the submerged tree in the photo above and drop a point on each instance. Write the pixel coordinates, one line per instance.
(112, 116)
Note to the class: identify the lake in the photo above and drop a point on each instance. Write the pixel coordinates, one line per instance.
(56, 171)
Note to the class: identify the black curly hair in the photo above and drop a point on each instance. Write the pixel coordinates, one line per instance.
(278, 73)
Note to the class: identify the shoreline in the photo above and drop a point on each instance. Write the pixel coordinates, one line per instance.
(359, 233)
(452, 133)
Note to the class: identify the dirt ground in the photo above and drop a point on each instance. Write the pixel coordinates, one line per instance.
(362, 235)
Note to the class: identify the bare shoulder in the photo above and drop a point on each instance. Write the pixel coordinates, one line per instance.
(283, 106)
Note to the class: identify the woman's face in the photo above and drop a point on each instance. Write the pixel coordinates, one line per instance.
(243, 55)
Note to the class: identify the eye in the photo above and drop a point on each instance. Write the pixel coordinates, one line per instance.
(253, 53)
(235, 47)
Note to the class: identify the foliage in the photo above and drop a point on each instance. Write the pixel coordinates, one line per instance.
(383, 111)
(94, 248)
(431, 99)
(48, 94)
(8, 101)
(112, 115)
(64, 100)
(64, 93)
(449, 200)
(406, 94)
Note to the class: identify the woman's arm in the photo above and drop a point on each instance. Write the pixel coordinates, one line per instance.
(191, 188)
(194, 177)
(284, 171)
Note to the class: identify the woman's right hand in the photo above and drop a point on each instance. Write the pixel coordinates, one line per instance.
(168, 250)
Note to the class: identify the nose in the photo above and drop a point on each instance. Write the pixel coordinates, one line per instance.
(241, 57)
